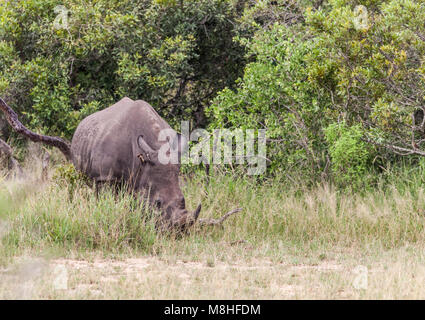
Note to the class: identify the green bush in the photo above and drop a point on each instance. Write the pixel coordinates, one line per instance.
(379, 49)
(356, 62)
(350, 155)
(276, 94)
(66, 176)
(173, 54)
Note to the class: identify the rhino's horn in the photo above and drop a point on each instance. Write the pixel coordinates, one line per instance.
(196, 212)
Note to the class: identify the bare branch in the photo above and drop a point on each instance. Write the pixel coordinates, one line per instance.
(214, 222)
(398, 150)
(12, 118)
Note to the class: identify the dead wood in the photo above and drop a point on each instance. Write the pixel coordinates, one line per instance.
(215, 222)
(12, 119)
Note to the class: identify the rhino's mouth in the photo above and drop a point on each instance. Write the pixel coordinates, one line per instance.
(178, 219)
(185, 219)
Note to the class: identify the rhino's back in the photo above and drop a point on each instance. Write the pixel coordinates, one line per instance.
(103, 144)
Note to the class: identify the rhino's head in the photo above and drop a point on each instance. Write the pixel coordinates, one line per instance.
(160, 182)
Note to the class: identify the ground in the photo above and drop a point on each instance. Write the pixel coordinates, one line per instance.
(395, 274)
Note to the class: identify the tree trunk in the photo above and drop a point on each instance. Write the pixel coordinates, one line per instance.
(4, 128)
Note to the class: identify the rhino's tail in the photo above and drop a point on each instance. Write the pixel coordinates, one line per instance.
(57, 142)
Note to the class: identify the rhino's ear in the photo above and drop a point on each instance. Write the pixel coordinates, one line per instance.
(147, 154)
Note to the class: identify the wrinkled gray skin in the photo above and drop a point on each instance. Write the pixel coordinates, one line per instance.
(109, 146)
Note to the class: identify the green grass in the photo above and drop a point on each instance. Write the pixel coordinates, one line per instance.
(106, 223)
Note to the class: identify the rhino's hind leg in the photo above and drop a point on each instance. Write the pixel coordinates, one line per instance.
(99, 186)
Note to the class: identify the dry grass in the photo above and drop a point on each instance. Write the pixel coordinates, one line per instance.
(396, 274)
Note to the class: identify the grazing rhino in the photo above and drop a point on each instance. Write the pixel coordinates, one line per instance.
(120, 144)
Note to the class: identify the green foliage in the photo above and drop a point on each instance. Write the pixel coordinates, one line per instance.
(379, 50)
(349, 153)
(276, 94)
(356, 62)
(66, 176)
(58, 66)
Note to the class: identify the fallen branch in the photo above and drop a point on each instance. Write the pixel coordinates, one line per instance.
(214, 222)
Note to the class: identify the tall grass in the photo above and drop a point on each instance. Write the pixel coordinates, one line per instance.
(273, 212)
(107, 222)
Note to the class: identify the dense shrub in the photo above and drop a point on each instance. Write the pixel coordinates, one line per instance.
(356, 62)
(350, 155)
(275, 94)
(379, 52)
(56, 67)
